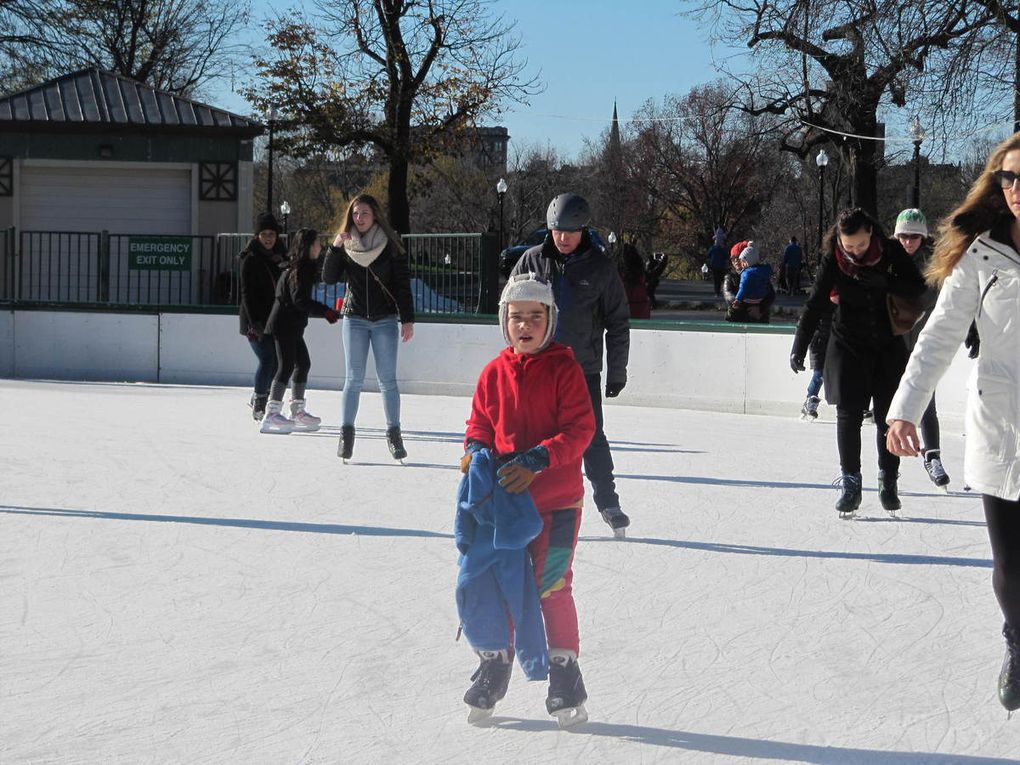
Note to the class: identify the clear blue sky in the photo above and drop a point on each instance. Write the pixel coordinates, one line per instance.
(587, 54)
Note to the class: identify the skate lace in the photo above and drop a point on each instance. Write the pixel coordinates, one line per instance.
(849, 482)
(488, 674)
(935, 468)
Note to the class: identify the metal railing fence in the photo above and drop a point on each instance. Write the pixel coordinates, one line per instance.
(450, 273)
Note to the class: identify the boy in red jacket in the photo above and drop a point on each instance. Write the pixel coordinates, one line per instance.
(532, 410)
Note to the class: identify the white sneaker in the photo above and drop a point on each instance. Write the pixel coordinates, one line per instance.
(274, 422)
(303, 421)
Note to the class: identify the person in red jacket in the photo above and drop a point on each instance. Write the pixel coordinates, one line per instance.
(532, 410)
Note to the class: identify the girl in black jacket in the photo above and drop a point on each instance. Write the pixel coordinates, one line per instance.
(866, 355)
(287, 322)
(369, 256)
(261, 263)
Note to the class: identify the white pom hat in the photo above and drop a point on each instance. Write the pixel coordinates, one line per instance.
(750, 254)
(524, 287)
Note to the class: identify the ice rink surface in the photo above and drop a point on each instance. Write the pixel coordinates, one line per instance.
(176, 587)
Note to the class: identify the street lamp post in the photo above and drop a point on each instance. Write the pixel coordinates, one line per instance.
(269, 181)
(501, 188)
(917, 133)
(285, 212)
(821, 160)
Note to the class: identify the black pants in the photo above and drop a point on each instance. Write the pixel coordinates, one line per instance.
(930, 427)
(718, 275)
(291, 358)
(598, 461)
(848, 438)
(1003, 519)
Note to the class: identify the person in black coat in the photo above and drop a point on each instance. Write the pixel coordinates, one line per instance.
(368, 254)
(287, 321)
(866, 354)
(261, 263)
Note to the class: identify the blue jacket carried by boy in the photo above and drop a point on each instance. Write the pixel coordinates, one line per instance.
(492, 530)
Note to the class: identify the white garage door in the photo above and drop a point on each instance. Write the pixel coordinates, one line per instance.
(150, 200)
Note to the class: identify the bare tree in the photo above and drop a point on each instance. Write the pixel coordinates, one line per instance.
(401, 75)
(172, 45)
(828, 66)
(26, 41)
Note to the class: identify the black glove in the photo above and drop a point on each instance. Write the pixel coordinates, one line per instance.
(796, 362)
(973, 341)
(613, 389)
(872, 279)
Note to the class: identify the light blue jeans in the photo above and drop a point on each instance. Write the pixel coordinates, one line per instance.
(384, 337)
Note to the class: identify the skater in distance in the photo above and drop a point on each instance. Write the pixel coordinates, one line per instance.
(378, 312)
(593, 313)
(977, 265)
(912, 231)
(262, 260)
(533, 414)
(287, 321)
(865, 356)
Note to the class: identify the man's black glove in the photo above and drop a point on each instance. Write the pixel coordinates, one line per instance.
(973, 341)
(613, 389)
(796, 362)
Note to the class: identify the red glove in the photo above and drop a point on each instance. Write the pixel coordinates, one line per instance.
(331, 316)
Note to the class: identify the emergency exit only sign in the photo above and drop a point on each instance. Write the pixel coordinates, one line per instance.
(159, 253)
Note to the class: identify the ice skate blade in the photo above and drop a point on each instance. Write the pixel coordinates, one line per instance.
(620, 533)
(571, 716)
(309, 429)
(848, 516)
(479, 717)
(276, 431)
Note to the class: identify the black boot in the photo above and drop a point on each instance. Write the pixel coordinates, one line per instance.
(850, 498)
(887, 492)
(258, 405)
(491, 680)
(1009, 677)
(395, 443)
(346, 447)
(566, 689)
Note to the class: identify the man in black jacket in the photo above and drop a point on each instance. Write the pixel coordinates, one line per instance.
(592, 305)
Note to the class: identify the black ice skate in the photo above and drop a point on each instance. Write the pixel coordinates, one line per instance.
(849, 500)
(346, 446)
(566, 689)
(936, 472)
(617, 520)
(887, 492)
(1009, 677)
(396, 444)
(490, 683)
(810, 409)
(258, 405)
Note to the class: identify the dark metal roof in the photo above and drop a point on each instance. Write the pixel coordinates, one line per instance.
(98, 98)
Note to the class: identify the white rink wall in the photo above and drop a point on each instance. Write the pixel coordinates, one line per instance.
(678, 368)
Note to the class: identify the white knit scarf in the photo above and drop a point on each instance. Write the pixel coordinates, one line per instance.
(365, 248)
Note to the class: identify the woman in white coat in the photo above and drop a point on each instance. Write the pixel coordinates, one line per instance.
(977, 265)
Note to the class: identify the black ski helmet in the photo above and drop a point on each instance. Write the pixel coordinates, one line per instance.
(568, 212)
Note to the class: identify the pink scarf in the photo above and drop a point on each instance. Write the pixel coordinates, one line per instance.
(850, 265)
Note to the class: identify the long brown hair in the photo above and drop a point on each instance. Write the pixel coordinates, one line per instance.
(984, 206)
(373, 203)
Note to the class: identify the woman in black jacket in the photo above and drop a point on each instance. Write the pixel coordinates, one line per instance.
(287, 322)
(261, 263)
(866, 355)
(369, 256)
